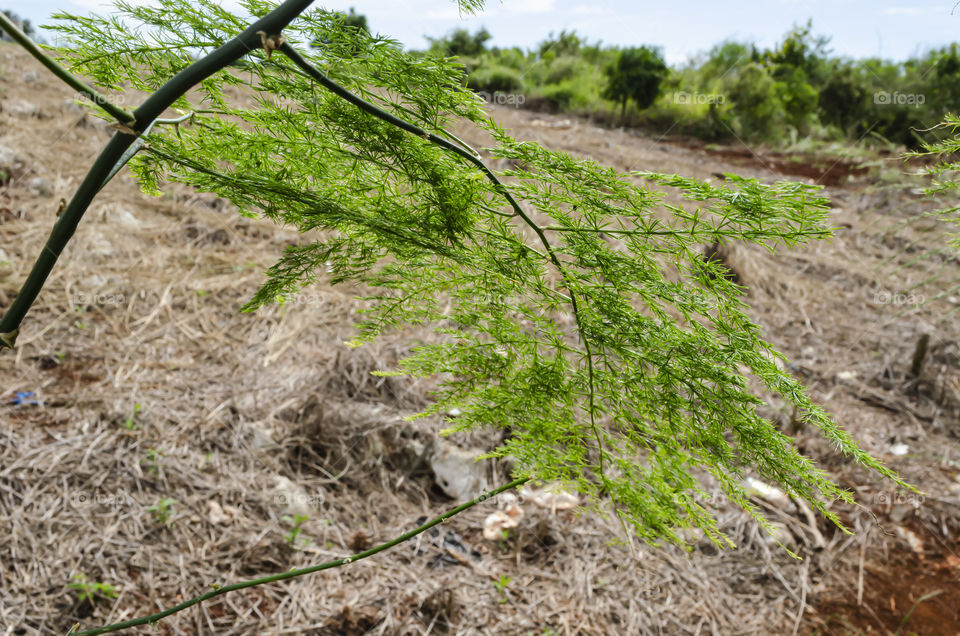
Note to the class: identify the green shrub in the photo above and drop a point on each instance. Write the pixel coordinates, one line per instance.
(495, 79)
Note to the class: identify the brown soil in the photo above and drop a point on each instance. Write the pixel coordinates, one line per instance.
(907, 592)
(239, 412)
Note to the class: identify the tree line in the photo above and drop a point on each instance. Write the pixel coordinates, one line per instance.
(796, 89)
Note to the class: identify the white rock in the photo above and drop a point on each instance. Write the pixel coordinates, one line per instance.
(8, 157)
(30, 76)
(93, 282)
(551, 497)
(124, 217)
(774, 495)
(21, 108)
(216, 514)
(495, 523)
(457, 472)
(39, 185)
(899, 449)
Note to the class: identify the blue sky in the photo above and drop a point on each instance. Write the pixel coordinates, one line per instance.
(893, 29)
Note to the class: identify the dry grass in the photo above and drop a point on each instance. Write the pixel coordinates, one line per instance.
(247, 418)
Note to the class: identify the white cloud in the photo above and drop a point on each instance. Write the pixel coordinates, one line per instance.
(530, 6)
(590, 10)
(911, 11)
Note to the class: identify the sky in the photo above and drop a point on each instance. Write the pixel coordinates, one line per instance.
(891, 29)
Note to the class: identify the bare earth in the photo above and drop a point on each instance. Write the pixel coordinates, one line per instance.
(248, 418)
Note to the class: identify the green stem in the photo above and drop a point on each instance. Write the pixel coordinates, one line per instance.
(291, 574)
(98, 98)
(152, 108)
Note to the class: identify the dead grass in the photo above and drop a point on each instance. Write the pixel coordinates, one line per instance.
(247, 418)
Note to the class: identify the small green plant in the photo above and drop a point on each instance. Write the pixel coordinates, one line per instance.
(501, 587)
(131, 421)
(922, 599)
(79, 323)
(163, 510)
(91, 591)
(291, 536)
(152, 461)
(503, 540)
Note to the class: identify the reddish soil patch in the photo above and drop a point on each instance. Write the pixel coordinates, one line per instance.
(819, 169)
(906, 593)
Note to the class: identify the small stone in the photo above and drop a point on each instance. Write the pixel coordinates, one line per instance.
(8, 157)
(93, 283)
(120, 216)
(457, 472)
(22, 108)
(899, 450)
(30, 76)
(41, 186)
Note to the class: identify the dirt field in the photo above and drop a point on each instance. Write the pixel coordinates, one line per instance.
(247, 419)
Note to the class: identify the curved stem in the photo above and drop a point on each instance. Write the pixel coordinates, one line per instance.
(291, 574)
(98, 98)
(152, 108)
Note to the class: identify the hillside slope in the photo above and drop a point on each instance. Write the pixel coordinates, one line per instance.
(153, 385)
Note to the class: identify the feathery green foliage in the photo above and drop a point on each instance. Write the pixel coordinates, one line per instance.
(572, 307)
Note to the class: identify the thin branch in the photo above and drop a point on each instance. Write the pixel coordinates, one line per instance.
(291, 574)
(98, 98)
(152, 108)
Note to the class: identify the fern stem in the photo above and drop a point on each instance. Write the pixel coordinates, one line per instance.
(98, 98)
(291, 574)
(152, 108)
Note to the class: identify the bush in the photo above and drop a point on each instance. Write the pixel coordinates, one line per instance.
(756, 103)
(636, 75)
(495, 79)
(562, 96)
